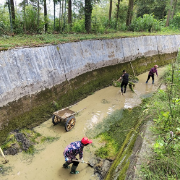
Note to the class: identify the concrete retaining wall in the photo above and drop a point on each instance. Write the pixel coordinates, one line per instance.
(26, 71)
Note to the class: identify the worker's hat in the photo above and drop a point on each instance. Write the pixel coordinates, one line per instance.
(85, 140)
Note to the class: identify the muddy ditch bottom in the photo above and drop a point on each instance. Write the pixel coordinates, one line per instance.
(46, 163)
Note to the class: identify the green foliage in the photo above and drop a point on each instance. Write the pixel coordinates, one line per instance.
(156, 7)
(116, 83)
(109, 149)
(49, 139)
(146, 23)
(78, 26)
(165, 108)
(175, 22)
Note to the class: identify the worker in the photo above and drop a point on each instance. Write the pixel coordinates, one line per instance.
(71, 151)
(125, 80)
(151, 73)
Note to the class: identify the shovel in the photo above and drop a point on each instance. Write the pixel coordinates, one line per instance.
(6, 161)
(83, 162)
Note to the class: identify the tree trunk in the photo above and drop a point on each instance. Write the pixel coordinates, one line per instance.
(24, 8)
(12, 12)
(64, 16)
(88, 12)
(69, 12)
(38, 16)
(174, 9)
(130, 12)
(45, 16)
(62, 13)
(54, 14)
(10, 15)
(117, 15)
(110, 9)
(169, 13)
(59, 15)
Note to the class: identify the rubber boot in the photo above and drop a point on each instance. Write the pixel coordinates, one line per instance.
(152, 82)
(73, 170)
(66, 165)
(122, 90)
(146, 82)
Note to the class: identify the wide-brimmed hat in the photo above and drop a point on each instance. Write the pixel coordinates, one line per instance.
(156, 66)
(85, 140)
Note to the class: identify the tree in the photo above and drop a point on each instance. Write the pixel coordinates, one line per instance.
(117, 13)
(45, 16)
(174, 8)
(69, 12)
(12, 12)
(155, 7)
(10, 15)
(38, 8)
(129, 12)
(88, 12)
(110, 9)
(55, 2)
(64, 24)
(23, 5)
(169, 13)
(60, 15)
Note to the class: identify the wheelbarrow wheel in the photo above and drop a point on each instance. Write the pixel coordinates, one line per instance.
(70, 123)
(55, 120)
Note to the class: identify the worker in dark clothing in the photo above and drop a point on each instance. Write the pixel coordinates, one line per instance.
(151, 73)
(125, 80)
(72, 150)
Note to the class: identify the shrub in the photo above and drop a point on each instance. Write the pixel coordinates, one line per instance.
(78, 26)
(146, 23)
(175, 22)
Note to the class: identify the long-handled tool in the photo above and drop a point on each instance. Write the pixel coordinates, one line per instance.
(83, 162)
(6, 161)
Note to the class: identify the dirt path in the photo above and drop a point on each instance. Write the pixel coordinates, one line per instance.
(46, 164)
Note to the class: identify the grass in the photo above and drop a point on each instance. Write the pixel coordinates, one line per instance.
(9, 42)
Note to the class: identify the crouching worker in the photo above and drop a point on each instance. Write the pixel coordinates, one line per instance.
(71, 151)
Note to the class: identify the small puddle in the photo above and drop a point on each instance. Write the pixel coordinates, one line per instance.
(46, 164)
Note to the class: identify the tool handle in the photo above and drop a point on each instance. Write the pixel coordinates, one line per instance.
(2, 153)
(79, 161)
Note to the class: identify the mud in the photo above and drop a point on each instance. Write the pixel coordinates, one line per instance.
(46, 163)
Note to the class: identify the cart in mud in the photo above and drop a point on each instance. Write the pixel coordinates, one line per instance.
(65, 115)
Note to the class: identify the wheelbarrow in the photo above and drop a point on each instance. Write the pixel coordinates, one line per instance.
(67, 116)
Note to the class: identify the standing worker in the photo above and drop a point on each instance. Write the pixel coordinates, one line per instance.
(125, 81)
(72, 150)
(151, 73)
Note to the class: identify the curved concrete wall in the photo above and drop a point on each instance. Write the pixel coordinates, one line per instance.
(26, 71)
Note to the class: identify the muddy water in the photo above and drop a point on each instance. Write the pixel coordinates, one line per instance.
(46, 164)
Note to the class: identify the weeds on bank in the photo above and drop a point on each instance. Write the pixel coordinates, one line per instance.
(165, 106)
(114, 130)
(23, 40)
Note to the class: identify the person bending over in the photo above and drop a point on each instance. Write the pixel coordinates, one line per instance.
(72, 150)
